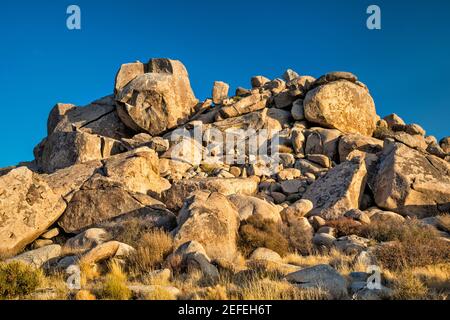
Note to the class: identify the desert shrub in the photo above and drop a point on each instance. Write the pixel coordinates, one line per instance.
(256, 232)
(18, 280)
(413, 245)
(409, 287)
(115, 284)
(151, 250)
(382, 231)
(299, 239)
(344, 226)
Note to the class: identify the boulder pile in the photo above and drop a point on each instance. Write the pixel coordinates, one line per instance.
(295, 147)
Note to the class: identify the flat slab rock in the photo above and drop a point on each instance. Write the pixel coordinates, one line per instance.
(412, 183)
(339, 191)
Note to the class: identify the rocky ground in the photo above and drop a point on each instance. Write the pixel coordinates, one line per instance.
(123, 201)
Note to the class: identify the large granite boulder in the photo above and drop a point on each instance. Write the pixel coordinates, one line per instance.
(341, 105)
(213, 221)
(28, 206)
(412, 183)
(158, 100)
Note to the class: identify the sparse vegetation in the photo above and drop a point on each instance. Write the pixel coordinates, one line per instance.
(18, 280)
(344, 226)
(256, 233)
(151, 251)
(412, 245)
(115, 284)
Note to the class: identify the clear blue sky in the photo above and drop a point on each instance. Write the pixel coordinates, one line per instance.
(406, 64)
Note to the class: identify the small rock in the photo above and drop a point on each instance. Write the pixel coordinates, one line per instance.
(265, 254)
(220, 92)
(323, 239)
(50, 233)
(320, 276)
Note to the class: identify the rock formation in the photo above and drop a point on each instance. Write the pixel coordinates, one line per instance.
(298, 153)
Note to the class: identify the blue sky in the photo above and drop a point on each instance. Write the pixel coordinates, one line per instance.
(406, 64)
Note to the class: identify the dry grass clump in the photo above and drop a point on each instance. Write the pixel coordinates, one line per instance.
(344, 226)
(89, 272)
(256, 232)
(84, 295)
(18, 280)
(268, 289)
(413, 245)
(436, 277)
(115, 284)
(151, 250)
(160, 293)
(407, 286)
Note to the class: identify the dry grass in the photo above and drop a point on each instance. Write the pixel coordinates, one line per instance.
(115, 284)
(89, 272)
(436, 277)
(407, 286)
(84, 295)
(18, 280)
(160, 293)
(150, 253)
(256, 233)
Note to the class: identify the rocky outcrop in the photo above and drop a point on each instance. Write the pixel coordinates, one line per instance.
(305, 165)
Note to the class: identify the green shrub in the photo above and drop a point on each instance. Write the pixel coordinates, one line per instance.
(18, 280)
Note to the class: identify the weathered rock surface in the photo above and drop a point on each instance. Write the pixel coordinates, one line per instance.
(320, 276)
(341, 105)
(351, 142)
(339, 191)
(213, 221)
(37, 258)
(158, 100)
(28, 206)
(248, 206)
(412, 183)
(180, 190)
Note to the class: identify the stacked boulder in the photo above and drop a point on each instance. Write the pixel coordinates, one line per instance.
(136, 153)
